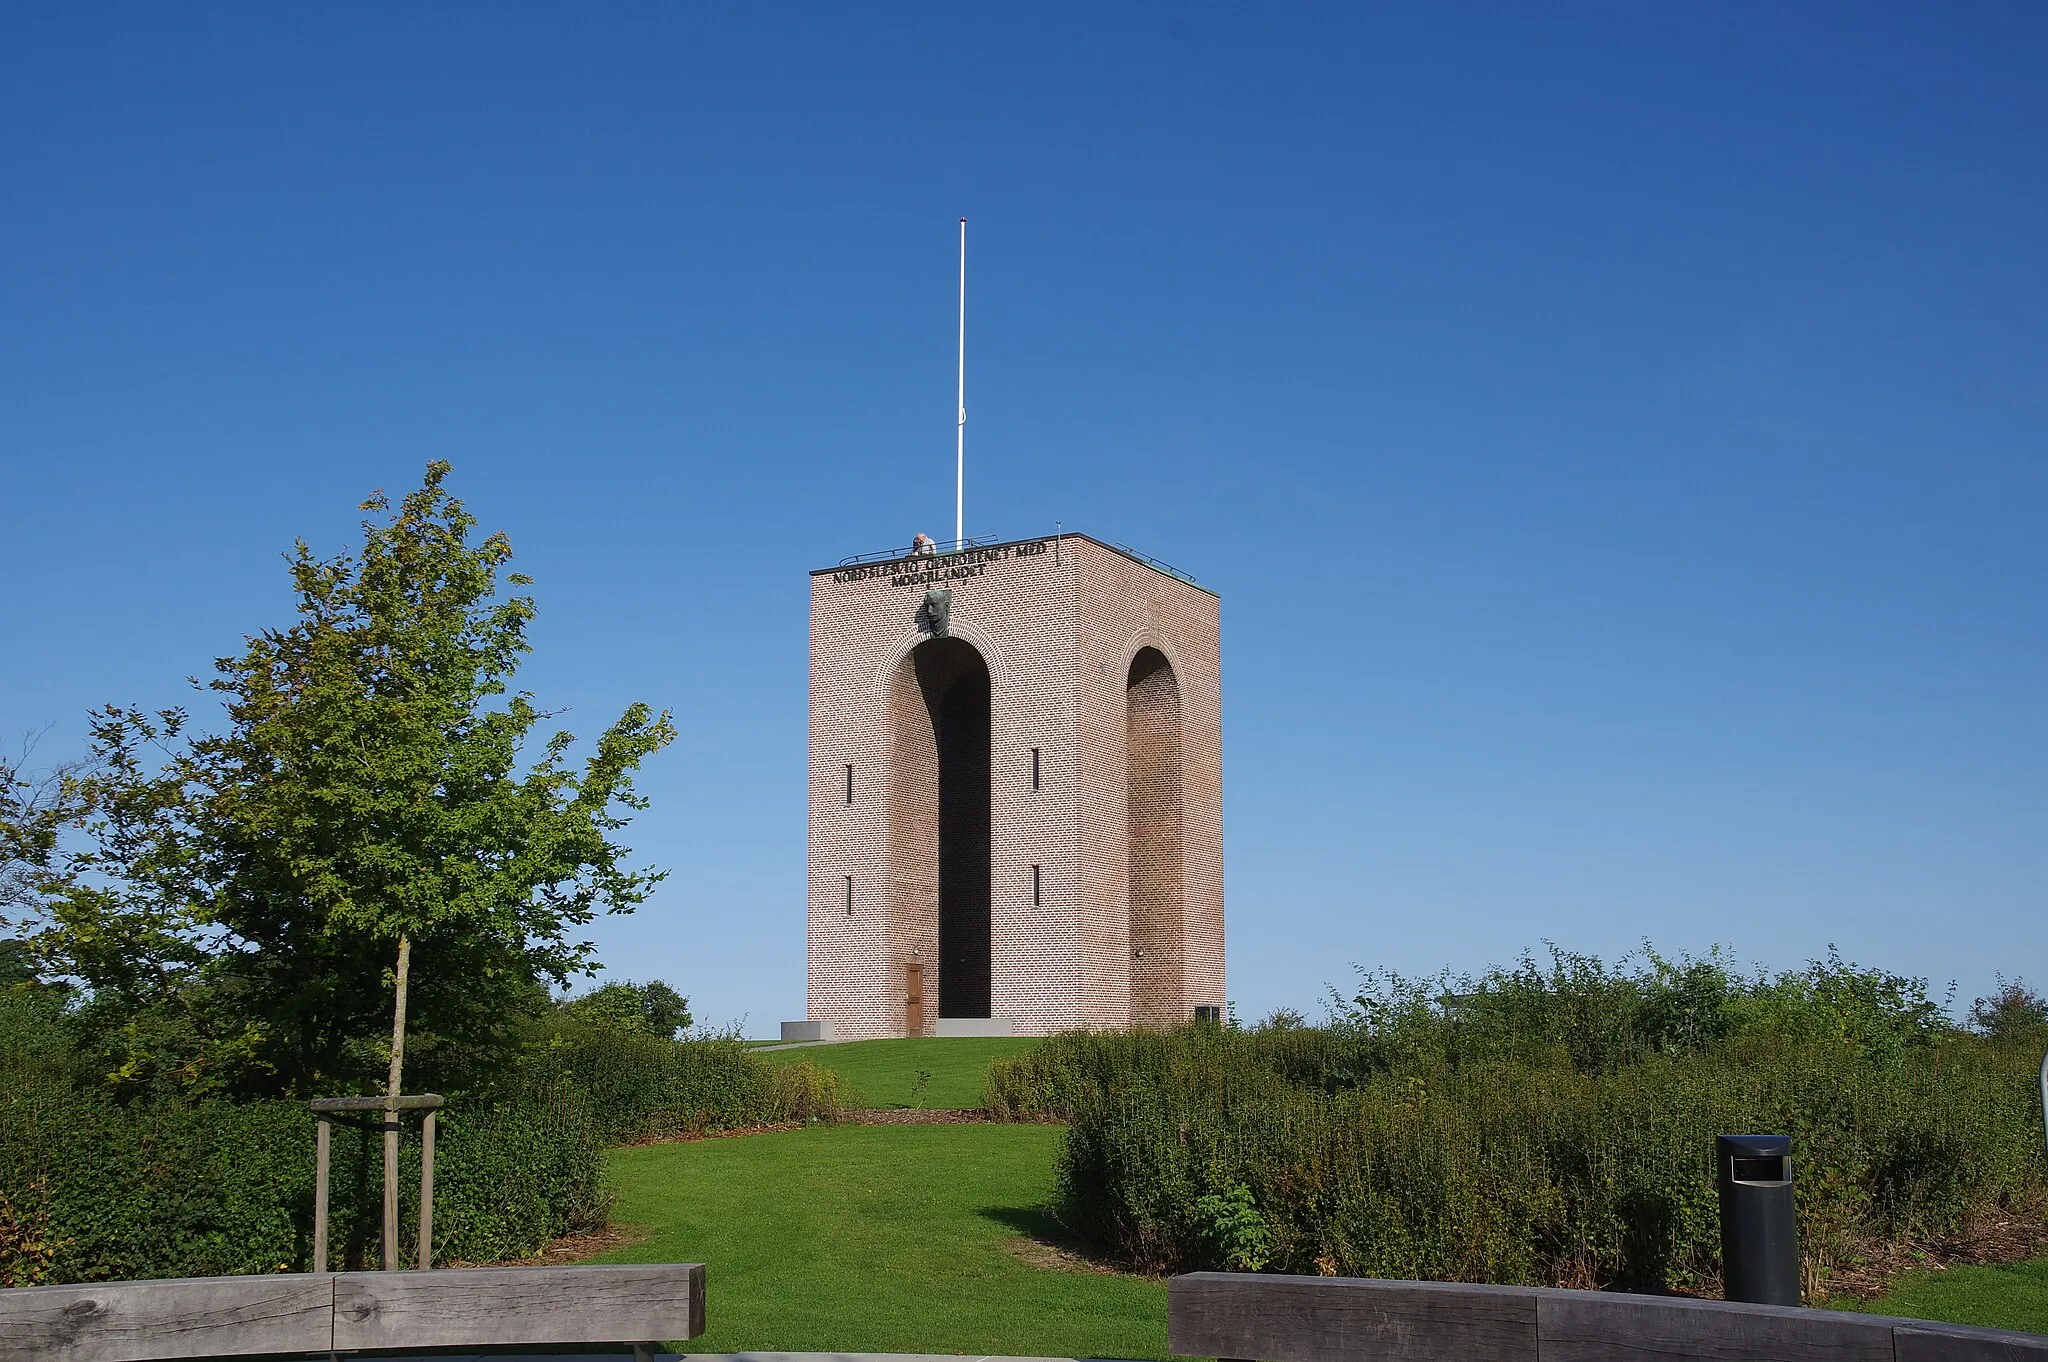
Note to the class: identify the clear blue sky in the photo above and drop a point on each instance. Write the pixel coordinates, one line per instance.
(1616, 431)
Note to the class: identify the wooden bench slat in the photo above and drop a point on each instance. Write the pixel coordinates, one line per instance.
(1339, 1319)
(490, 1306)
(1930, 1342)
(1314, 1319)
(178, 1317)
(1615, 1326)
(284, 1313)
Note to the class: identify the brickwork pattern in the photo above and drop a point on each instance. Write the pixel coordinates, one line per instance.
(1152, 802)
(1124, 607)
(1058, 623)
(909, 895)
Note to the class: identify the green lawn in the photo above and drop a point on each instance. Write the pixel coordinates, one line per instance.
(919, 1239)
(2012, 1296)
(885, 1072)
(877, 1239)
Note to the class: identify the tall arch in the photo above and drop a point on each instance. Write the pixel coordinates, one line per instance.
(1152, 800)
(939, 832)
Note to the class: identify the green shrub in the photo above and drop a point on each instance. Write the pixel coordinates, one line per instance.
(1236, 1228)
(1579, 1010)
(216, 1187)
(644, 1087)
(1545, 1175)
(93, 1187)
(2014, 1012)
(1538, 1126)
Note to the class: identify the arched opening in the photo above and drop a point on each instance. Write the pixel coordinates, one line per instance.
(1152, 794)
(939, 824)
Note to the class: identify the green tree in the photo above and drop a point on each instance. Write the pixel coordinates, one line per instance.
(649, 1009)
(2013, 1011)
(358, 838)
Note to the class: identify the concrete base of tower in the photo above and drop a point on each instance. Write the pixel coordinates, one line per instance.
(807, 1030)
(972, 1026)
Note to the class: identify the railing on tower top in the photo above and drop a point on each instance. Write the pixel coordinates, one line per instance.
(940, 550)
(1149, 561)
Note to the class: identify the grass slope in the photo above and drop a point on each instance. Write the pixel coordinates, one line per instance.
(2008, 1296)
(877, 1239)
(884, 1072)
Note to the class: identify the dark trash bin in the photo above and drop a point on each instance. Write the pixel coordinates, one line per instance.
(1759, 1236)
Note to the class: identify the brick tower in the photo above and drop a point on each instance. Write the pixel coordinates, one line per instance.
(1016, 814)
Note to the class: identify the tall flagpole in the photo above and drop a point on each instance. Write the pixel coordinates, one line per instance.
(960, 429)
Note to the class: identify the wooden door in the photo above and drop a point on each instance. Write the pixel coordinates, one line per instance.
(913, 998)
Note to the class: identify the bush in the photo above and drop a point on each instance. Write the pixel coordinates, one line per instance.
(2014, 1012)
(641, 1087)
(1542, 1127)
(216, 1187)
(95, 1188)
(1580, 1011)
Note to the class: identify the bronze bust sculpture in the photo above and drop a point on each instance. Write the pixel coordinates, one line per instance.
(938, 610)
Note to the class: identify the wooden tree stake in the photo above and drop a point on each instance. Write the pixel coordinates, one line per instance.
(320, 1195)
(391, 1111)
(427, 1191)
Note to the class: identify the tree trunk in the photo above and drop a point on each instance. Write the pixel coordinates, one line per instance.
(392, 1093)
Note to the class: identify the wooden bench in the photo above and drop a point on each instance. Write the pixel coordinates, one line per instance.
(1350, 1319)
(320, 1312)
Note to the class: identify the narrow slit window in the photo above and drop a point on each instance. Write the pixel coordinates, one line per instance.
(849, 896)
(1036, 887)
(1034, 768)
(849, 782)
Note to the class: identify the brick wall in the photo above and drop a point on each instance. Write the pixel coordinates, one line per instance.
(1152, 817)
(1125, 824)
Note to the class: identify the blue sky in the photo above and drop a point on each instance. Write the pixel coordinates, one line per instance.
(1615, 431)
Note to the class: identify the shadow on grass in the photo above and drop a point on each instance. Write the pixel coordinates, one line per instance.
(1044, 1242)
(1036, 1222)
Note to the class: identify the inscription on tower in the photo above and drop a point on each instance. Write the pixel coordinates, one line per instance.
(918, 569)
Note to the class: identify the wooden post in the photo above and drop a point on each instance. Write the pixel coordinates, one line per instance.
(391, 1187)
(388, 1106)
(392, 1090)
(427, 1191)
(320, 1194)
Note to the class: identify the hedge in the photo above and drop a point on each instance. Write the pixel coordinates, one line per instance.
(94, 1190)
(641, 1087)
(1214, 1148)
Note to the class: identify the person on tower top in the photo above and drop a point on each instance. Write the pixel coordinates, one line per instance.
(922, 546)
